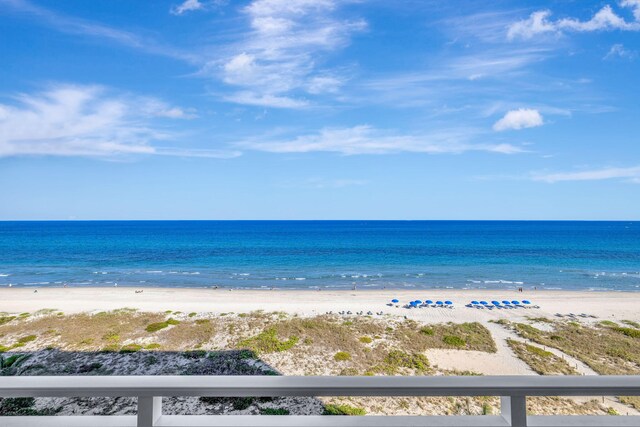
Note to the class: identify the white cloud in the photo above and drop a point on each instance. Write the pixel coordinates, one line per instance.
(187, 6)
(265, 100)
(537, 23)
(71, 120)
(519, 119)
(619, 51)
(277, 59)
(368, 140)
(630, 174)
(193, 5)
(606, 19)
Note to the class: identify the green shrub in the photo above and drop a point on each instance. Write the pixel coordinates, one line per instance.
(155, 327)
(366, 340)
(631, 323)
(524, 329)
(6, 319)
(267, 342)
(194, 354)
(454, 341)
(427, 331)
(241, 403)
(341, 356)
(12, 361)
(246, 354)
(608, 323)
(152, 346)
(27, 339)
(343, 410)
(111, 336)
(193, 314)
(16, 406)
(399, 359)
(130, 348)
(630, 332)
(538, 351)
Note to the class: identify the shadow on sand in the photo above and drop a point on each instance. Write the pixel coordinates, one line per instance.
(130, 362)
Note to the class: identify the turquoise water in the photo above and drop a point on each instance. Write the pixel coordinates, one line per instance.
(322, 254)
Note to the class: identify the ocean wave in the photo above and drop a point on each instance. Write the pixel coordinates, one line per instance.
(4, 275)
(502, 282)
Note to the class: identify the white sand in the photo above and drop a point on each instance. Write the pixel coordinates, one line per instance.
(604, 305)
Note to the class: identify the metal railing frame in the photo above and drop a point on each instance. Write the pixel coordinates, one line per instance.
(149, 390)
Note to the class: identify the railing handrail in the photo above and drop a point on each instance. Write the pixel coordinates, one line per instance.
(83, 386)
(149, 390)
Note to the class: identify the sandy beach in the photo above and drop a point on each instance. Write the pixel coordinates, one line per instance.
(603, 305)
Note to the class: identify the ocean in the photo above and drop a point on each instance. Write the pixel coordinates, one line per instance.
(322, 254)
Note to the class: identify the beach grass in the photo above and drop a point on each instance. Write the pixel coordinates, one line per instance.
(607, 349)
(541, 361)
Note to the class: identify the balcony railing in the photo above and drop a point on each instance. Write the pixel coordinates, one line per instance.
(149, 390)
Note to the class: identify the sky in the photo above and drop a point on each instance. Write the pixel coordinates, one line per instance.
(319, 109)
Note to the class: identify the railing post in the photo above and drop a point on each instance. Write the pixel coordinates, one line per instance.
(514, 410)
(149, 410)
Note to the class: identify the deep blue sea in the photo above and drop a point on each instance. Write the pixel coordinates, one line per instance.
(322, 254)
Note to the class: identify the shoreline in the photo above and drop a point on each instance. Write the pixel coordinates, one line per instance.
(602, 304)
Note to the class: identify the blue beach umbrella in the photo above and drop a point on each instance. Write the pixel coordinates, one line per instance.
(439, 303)
(515, 302)
(505, 302)
(525, 301)
(418, 302)
(475, 302)
(413, 303)
(448, 302)
(429, 301)
(495, 302)
(395, 301)
(484, 303)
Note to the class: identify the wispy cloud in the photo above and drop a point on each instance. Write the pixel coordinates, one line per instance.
(73, 25)
(90, 121)
(368, 140)
(193, 5)
(619, 51)
(519, 119)
(629, 174)
(606, 19)
(276, 61)
(187, 6)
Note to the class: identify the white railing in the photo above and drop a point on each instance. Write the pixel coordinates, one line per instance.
(149, 390)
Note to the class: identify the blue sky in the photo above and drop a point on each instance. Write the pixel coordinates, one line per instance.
(319, 109)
